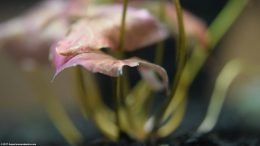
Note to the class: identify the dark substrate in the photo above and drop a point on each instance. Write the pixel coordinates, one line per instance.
(220, 138)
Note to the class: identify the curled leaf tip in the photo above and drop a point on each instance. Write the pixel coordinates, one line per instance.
(99, 62)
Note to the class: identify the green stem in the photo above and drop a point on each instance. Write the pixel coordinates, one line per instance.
(118, 82)
(217, 30)
(181, 42)
(91, 98)
(124, 119)
(120, 54)
(138, 103)
(121, 87)
(94, 108)
(118, 96)
(80, 90)
(180, 47)
(225, 19)
(177, 117)
(160, 46)
(123, 25)
(181, 55)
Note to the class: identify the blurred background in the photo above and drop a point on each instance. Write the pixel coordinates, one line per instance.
(23, 118)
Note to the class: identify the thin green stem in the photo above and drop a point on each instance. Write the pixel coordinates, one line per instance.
(180, 47)
(217, 30)
(123, 113)
(181, 57)
(137, 106)
(159, 53)
(123, 25)
(80, 87)
(120, 54)
(92, 95)
(93, 108)
(225, 19)
(118, 96)
(118, 83)
(173, 124)
(123, 116)
(160, 46)
(181, 42)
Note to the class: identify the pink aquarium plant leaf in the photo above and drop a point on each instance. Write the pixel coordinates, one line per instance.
(29, 36)
(101, 29)
(195, 28)
(99, 62)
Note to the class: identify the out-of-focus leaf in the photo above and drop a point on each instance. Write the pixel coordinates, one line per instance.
(30, 35)
(224, 80)
(98, 62)
(101, 29)
(76, 8)
(195, 28)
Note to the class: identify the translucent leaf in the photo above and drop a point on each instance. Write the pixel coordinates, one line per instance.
(101, 29)
(98, 62)
(30, 35)
(196, 29)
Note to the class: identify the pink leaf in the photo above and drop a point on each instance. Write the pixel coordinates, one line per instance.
(98, 62)
(57, 59)
(101, 29)
(29, 36)
(194, 27)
